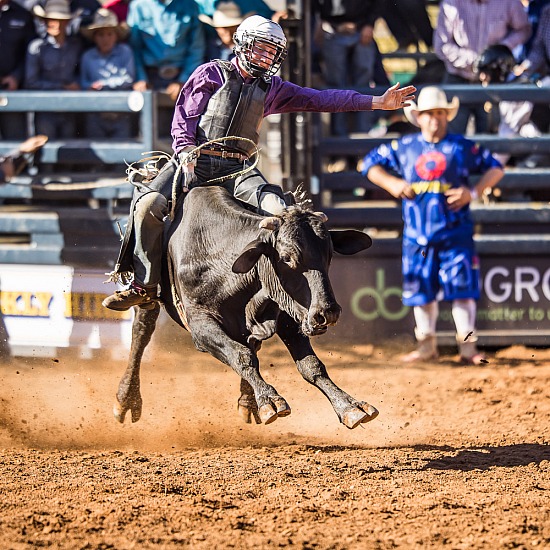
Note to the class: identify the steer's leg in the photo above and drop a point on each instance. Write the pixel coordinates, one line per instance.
(128, 397)
(350, 411)
(209, 336)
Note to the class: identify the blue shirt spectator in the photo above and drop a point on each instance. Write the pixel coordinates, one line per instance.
(257, 7)
(110, 64)
(167, 39)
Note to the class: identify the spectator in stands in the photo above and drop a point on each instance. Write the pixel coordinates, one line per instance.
(430, 172)
(464, 29)
(534, 9)
(537, 63)
(495, 66)
(207, 10)
(52, 64)
(257, 7)
(225, 20)
(350, 56)
(168, 43)
(15, 162)
(537, 68)
(108, 66)
(225, 99)
(119, 8)
(83, 11)
(409, 22)
(16, 31)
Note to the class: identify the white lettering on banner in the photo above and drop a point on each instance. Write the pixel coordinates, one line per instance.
(532, 280)
(505, 287)
(499, 282)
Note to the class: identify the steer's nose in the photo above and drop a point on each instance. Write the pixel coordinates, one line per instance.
(325, 316)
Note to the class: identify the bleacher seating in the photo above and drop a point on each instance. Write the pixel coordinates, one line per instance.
(344, 193)
(69, 214)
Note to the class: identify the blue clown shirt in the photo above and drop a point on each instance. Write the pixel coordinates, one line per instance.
(431, 169)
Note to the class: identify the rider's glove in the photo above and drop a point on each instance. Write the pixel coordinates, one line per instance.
(189, 176)
(188, 163)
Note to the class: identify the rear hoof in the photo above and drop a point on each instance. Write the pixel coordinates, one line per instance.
(353, 418)
(247, 415)
(119, 411)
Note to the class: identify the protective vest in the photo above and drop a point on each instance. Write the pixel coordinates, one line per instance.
(236, 109)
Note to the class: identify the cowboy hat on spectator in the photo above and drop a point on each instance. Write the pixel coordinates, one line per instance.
(227, 14)
(55, 9)
(430, 98)
(104, 19)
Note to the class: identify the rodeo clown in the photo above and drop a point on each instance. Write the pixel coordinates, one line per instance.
(224, 99)
(430, 171)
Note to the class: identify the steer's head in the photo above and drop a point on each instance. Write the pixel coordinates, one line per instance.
(299, 248)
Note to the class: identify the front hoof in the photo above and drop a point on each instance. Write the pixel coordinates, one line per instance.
(277, 407)
(283, 408)
(372, 412)
(361, 414)
(267, 413)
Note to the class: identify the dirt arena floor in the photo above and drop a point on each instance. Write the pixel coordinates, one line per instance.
(459, 457)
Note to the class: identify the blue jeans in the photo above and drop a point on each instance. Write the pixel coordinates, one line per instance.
(349, 64)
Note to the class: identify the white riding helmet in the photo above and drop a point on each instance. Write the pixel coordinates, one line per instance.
(251, 34)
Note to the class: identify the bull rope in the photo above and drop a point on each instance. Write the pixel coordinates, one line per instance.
(193, 155)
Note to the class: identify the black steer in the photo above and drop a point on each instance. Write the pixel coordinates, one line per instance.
(234, 279)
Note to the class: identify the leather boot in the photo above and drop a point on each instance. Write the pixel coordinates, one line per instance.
(134, 295)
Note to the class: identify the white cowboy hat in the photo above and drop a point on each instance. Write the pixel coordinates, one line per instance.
(227, 14)
(55, 9)
(429, 98)
(104, 19)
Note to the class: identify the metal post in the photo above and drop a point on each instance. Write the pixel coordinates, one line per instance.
(296, 133)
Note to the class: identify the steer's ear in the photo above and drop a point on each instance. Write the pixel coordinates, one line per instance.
(249, 256)
(349, 241)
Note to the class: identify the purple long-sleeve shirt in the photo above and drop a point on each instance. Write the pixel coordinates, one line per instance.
(282, 97)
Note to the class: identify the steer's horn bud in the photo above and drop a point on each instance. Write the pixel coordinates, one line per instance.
(272, 223)
(321, 215)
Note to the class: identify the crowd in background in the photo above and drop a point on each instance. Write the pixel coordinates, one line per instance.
(117, 45)
(153, 44)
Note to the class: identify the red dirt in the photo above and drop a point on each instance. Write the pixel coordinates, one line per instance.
(458, 458)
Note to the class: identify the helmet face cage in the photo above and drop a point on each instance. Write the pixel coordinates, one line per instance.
(266, 40)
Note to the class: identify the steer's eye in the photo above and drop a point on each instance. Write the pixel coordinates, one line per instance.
(285, 258)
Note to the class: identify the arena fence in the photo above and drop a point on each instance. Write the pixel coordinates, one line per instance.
(70, 237)
(512, 234)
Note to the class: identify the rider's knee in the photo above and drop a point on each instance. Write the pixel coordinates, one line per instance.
(271, 203)
(152, 203)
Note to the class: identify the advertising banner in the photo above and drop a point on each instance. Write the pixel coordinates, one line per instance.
(514, 307)
(48, 307)
(45, 308)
